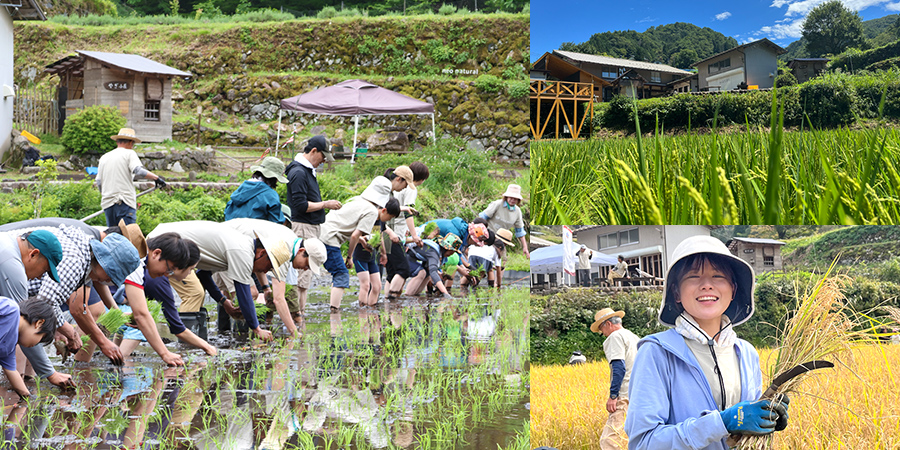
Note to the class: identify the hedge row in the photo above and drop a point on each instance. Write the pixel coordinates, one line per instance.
(560, 324)
(856, 60)
(832, 100)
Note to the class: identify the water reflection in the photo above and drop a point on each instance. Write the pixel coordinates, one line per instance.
(407, 374)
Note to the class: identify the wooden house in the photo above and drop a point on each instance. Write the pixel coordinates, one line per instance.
(626, 77)
(139, 87)
(805, 69)
(743, 67)
(762, 254)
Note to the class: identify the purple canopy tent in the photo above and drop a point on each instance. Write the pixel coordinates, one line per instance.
(355, 98)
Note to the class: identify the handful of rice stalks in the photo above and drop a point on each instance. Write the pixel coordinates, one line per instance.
(819, 329)
(375, 239)
(477, 272)
(429, 230)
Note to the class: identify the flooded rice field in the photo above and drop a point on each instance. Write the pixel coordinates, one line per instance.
(412, 373)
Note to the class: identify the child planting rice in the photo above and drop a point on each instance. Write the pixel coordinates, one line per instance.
(696, 384)
(27, 324)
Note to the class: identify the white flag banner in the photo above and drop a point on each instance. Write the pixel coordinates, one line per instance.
(568, 257)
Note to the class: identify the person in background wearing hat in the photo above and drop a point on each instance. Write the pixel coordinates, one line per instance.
(115, 173)
(349, 224)
(26, 324)
(486, 257)
(304, 254)
(256, 198)
(620, 348)
(697, 383)
(404, 228)
(305, 200)
(584, 256)
(367, 260)
(223, 249)
(85, 262)
(506, 214)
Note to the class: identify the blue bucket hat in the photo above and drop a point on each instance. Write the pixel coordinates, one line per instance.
(117, 256)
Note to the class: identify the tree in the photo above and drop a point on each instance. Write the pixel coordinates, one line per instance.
(832, 28)
(684, 58)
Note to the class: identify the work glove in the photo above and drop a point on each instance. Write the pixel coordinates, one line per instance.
(160, 182)
(755, 418)
(780, 405)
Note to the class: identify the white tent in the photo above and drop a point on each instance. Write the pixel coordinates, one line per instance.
(550, 259)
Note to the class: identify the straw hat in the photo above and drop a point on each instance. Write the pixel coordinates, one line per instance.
(514, 191)
(134, 234)
(378, 191)
(126, 133)
(505, 236)
(740, 309)
(271, 167)
(406, 173)
(279, 253)
(602, 316)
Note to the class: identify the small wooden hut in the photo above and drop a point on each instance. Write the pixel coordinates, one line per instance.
(139, 87)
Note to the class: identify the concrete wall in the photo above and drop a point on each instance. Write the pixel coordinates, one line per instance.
(674, 234)
(6, 78)
(762, 66)
(737, 60)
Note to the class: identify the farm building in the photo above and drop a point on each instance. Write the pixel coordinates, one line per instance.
(745, 66)
(762, 254)
(26, 10)
(805, 69)
(139, 87)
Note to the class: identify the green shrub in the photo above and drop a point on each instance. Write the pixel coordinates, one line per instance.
(207, 208)
(263, 15)
(516, 72)
(828, 100)
(90, 129)
(328, 12)
(517, 89)
(785, 79)
(488, 83)
(854, 59)
(446, 10)
(438, 51)
(207, 9)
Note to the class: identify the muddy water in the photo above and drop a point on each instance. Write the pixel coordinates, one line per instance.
(413, 373)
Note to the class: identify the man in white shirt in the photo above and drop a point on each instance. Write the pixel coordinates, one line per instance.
(115, 173)
(620, 347)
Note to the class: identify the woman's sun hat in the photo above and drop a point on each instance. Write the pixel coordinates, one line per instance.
(514, 191)
(117, 256)
(740, 309)
(134, 234)
(378, 191)
(271, 167)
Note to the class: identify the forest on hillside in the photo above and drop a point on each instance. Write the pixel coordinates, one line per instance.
(679, 44)
(311, 7)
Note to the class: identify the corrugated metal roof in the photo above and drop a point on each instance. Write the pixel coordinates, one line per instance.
(29, 10)
(134, 63)
(778, 50)
(759, 241)
(606, 60)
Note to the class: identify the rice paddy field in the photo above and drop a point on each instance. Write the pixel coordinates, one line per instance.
(413, 373)
(841, 176)
(848, 407)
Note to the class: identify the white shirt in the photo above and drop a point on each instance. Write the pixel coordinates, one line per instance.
(115, 174)
(358, 214)
(222, 248)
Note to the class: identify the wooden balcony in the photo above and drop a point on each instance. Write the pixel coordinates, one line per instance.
(560, 103)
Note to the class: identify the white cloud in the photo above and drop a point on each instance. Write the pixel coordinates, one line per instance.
(797, 10)
(723, 15)
(646, 19)
(782, 30)
(892, 6)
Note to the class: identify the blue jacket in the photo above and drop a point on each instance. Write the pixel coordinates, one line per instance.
(254, 200)
(457, 226)
(670, 403)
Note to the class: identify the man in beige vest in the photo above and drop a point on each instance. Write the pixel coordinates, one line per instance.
(620, 347)
(584, 256)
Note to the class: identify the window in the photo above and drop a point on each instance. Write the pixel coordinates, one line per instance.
(151, 110)
(654, 77)
(769, 261)
(628, 237)
(719, 65)
(607, 241)
(609, 72)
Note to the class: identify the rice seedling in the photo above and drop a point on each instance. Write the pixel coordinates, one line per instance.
(375, 239)
(429, 232)
(842, 176)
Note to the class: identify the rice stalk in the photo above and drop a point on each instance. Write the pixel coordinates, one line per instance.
(702, 207)
(819, 329)
(651, 211)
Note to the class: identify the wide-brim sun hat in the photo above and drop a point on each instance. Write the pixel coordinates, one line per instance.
(126, 133)
(117, 255)
(271, 167)
(133, 233)
(316, 251)
(279, 253)
(378, 191)
(741, 308)
(505, 236)
(450, 241)
(514, 191)
(602, 316)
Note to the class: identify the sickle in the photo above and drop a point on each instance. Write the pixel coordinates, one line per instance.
(798, 370)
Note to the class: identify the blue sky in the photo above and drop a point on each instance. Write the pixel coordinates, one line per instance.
(558, 21)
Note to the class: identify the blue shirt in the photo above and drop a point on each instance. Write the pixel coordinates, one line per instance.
(9, 332)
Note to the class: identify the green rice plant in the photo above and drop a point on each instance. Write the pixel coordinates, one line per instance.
(112, 320)
(375, 239)
(430, 228)
(809, 176)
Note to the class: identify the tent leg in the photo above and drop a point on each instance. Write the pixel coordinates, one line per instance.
(355, 132)
(433, 134)
(278, 131)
